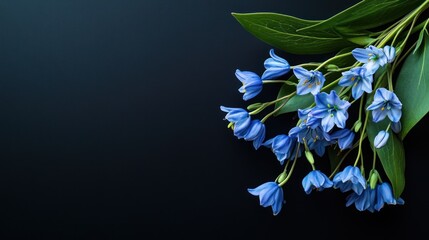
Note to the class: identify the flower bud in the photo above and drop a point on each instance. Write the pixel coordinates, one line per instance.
(357, 126)
(396, 127)
(381, 139)
(373, 179)
(309, 157)
(281, 177)
(254, 106)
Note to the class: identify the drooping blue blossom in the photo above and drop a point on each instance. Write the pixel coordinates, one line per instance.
(239, 120)
(350, 179)
(315, 138)
(252, 84)
(373, 199)
(385, 195)
(282, 146)
(255, 133)
(359, 78)
(364, 201)
(331, 109)
(275, 66)
(381, 139)
(309, 81)
(385, 103)
(316, 180)
(390, 53)
(344, 137)
(270, 194)
(372, 57)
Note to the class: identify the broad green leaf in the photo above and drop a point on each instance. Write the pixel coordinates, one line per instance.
(412, 87)
(279, 31)
(391, 155)
(367, 14)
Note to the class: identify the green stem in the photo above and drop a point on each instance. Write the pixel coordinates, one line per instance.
(403, 23)
(292, 168)
(333, 58)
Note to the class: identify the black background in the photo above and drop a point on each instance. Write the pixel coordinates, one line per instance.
(110, 127)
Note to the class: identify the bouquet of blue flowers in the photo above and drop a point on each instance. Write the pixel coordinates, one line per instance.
(377, 67)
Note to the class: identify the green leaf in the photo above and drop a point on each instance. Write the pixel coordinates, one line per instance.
(367, 14)
(420, 39)
(391, 155)
(412, 87)
(279, 31)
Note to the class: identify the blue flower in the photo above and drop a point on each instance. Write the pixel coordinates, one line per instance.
(309, 81)
(385, 195)
(381, 139)
(350, 179)
(307, 118)
(252, 84)
(270, 194)
(359, 78)
(239, 120)
(364, 201)
(316, 180)
(331, 109)
(373, 199)
(275, 66)
(372, 57)
(255, 133)
(385, 103)
(315, 138)
(282, 146)
(344, 138)
(390, 53)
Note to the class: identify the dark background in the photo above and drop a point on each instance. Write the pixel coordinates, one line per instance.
(110, 127)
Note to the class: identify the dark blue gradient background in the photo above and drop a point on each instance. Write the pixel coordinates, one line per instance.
(110, 127)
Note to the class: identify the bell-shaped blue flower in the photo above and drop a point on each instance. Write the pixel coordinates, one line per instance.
(309, 81)
(255, 133)
(281, 145)
(359, 78)
(390, 53)
(275, 66)
(385, 103)
(381, 139)
(239, 120)
(372, 57)
(364, 201)
(385, 195)
(316, 180)
(270, 194)
(350, 179)
(331, 109)
(252, 84)
(344, 137)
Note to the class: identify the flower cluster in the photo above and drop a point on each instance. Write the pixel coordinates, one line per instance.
(362, 79)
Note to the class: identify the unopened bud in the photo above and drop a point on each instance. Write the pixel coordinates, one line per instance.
(281, 177)
(309, 157)
(373, 179)
(357, 126)
(254, 106)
